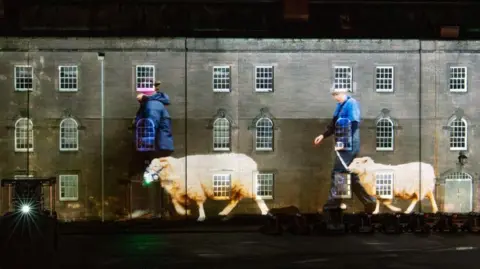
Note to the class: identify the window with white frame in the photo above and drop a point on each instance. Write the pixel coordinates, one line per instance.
(68, 135)
(222, 186)
(458, 193)
(264, 78)
(343, 187)
(23, 135)
(458, 134)
(23, 77)
(384, 134)
(221, 79)
(68, 78)
(145, 135)
(221, 134)
(265, 185)
(458, 79)
(384, 184)
(145, 78)
(68, 185)
(384, 79)
(342, 79)
(264, 134)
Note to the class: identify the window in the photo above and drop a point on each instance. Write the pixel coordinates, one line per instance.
(68, 187)
(384, 79)
(68, 78)
(221, 135)
(385, 134)
(458, 193)
(342, 78)
(343, 187)
(265, 185)
(222, 186)
(264, 78)
(68, 135)
(264, 135)
(458, 79)
(145, 78)
(384, 184)
(145, 135)
(24, 135)
(221, 78)
(458, 134)
(23, 78)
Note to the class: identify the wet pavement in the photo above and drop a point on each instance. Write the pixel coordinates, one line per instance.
(240, 250)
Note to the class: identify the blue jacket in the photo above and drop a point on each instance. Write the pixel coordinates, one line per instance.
(154, 109)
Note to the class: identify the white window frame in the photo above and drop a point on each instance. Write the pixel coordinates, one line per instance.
(455, 176)
(60, 78)
(139, 132)
(392, 138)
(222, 177)
(63, 177)
(348, 195)
(256, 78)
(227, 79)
(62, 129)
(335, 79)
(386, 173)
(30, 133)
(140, 89)
(258, 185)
(392, 80)
(465, 80)
(450, 134)
(16, 77)
(229, 134)
(257, 148)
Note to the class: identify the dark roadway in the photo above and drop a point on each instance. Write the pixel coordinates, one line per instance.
(240, 250)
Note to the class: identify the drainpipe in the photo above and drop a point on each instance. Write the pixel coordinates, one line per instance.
(101, 57)
(186, 118)
(420, 122)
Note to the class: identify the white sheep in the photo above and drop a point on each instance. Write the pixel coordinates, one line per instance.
(198, 171)
(412, 181)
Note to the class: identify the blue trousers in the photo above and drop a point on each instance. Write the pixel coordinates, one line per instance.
(367, 200)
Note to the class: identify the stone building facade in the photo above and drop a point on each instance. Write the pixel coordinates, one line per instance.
(269, 97)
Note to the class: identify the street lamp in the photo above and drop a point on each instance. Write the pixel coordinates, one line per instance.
(462, 159)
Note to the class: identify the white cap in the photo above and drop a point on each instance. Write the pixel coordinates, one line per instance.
(334, 90)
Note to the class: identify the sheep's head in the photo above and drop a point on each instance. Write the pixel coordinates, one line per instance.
(359, 165)
(157, 170)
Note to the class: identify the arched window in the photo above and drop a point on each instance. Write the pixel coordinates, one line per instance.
(384, 134)
(458, 192)
(221, 134)
(24, 135)
(264, 134)
(458, 134)
(145, 135)
(68, 135)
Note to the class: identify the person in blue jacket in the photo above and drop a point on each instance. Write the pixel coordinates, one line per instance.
(154, 108)
(345, 127)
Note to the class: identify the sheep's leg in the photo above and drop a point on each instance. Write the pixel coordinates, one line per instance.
(377, 208)
(179, 208)
(412, 205)
(388, 204)
(229, 207)
(431, 197)
(201, 211)
(263, 207)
